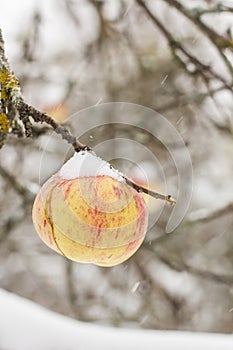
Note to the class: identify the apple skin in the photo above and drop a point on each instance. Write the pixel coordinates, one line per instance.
(94, 219)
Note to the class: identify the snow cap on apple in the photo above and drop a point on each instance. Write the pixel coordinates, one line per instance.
(88, 213)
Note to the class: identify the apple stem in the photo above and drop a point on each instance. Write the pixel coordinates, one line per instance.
(138, 188)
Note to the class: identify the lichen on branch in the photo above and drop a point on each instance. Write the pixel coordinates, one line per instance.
(10, 95)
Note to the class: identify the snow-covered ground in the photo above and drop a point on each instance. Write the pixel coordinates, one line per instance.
(26, 326)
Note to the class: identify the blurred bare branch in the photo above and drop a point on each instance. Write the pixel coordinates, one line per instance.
(219, 41)
(198, 67)
(218, 8)
(24, 192)
(195, 271)
(197, 98)
(209, 215)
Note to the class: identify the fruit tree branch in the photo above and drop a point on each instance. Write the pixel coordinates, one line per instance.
(14, 111)
(11, 99)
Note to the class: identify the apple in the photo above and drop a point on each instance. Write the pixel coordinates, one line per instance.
(89, 214)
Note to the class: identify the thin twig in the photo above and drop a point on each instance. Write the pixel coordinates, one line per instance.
(219, 8)
(40, 117)
(145, 190)
(186, 100)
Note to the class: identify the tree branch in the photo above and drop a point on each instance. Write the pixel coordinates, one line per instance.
(205, 71)
(219, 41)
(156, 195)
(193, 270)
(186, 100)
(20, 189)
(39, 117)
(11, 97)
(219, 8)
(209, 216)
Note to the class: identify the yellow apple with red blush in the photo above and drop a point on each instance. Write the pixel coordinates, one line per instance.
(89, 214)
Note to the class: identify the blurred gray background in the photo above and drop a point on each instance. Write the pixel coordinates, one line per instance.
(174, 57)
